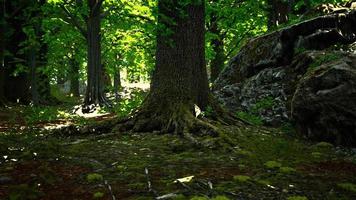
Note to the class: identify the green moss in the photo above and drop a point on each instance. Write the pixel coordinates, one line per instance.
(198, 198)
(325, 145)
(348, 187)
(98, 195)
(220, 198)
(92, 178)
(179, 197)
(273, 164)
(297, 198)
(317, 155)
(264, 182)
(241, 178)
(326, 58)
(262, 104)
(252, 118)
(287, 170)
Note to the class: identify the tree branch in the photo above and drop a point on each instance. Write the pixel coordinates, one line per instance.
(74, 22)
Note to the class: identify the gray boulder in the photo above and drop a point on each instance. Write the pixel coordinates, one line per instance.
(324, 103)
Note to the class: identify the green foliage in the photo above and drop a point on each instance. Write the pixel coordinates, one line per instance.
(128, 105)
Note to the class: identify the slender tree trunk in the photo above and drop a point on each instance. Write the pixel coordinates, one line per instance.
(95, 90)
(217, 63)
(117, 84)
(74, 77)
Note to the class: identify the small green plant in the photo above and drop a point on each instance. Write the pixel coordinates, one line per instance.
(208, 111)
(253, 119)
(92, 178)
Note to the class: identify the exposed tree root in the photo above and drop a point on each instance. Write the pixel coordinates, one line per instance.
(178, 119)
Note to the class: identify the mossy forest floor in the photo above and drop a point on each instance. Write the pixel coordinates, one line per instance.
(260, 163)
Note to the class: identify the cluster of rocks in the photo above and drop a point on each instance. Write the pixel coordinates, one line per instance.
(306, 72)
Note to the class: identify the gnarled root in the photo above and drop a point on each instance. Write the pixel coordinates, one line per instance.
(176, 119)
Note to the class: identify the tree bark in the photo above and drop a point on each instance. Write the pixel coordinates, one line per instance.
(117, 84)
(95, 90)
(180, 80)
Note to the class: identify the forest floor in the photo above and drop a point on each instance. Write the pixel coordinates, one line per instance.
(258, 163)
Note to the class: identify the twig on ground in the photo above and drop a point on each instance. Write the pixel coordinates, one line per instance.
(110, 190)
(149, 184)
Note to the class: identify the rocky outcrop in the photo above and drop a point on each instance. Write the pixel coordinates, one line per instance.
(324, 104)
(272, 75)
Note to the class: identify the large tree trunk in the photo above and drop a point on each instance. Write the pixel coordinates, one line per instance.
(179, 81)
(95, 90)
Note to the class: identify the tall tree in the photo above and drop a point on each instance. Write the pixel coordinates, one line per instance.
(37, 55)
(179, 82)
(92, 33)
